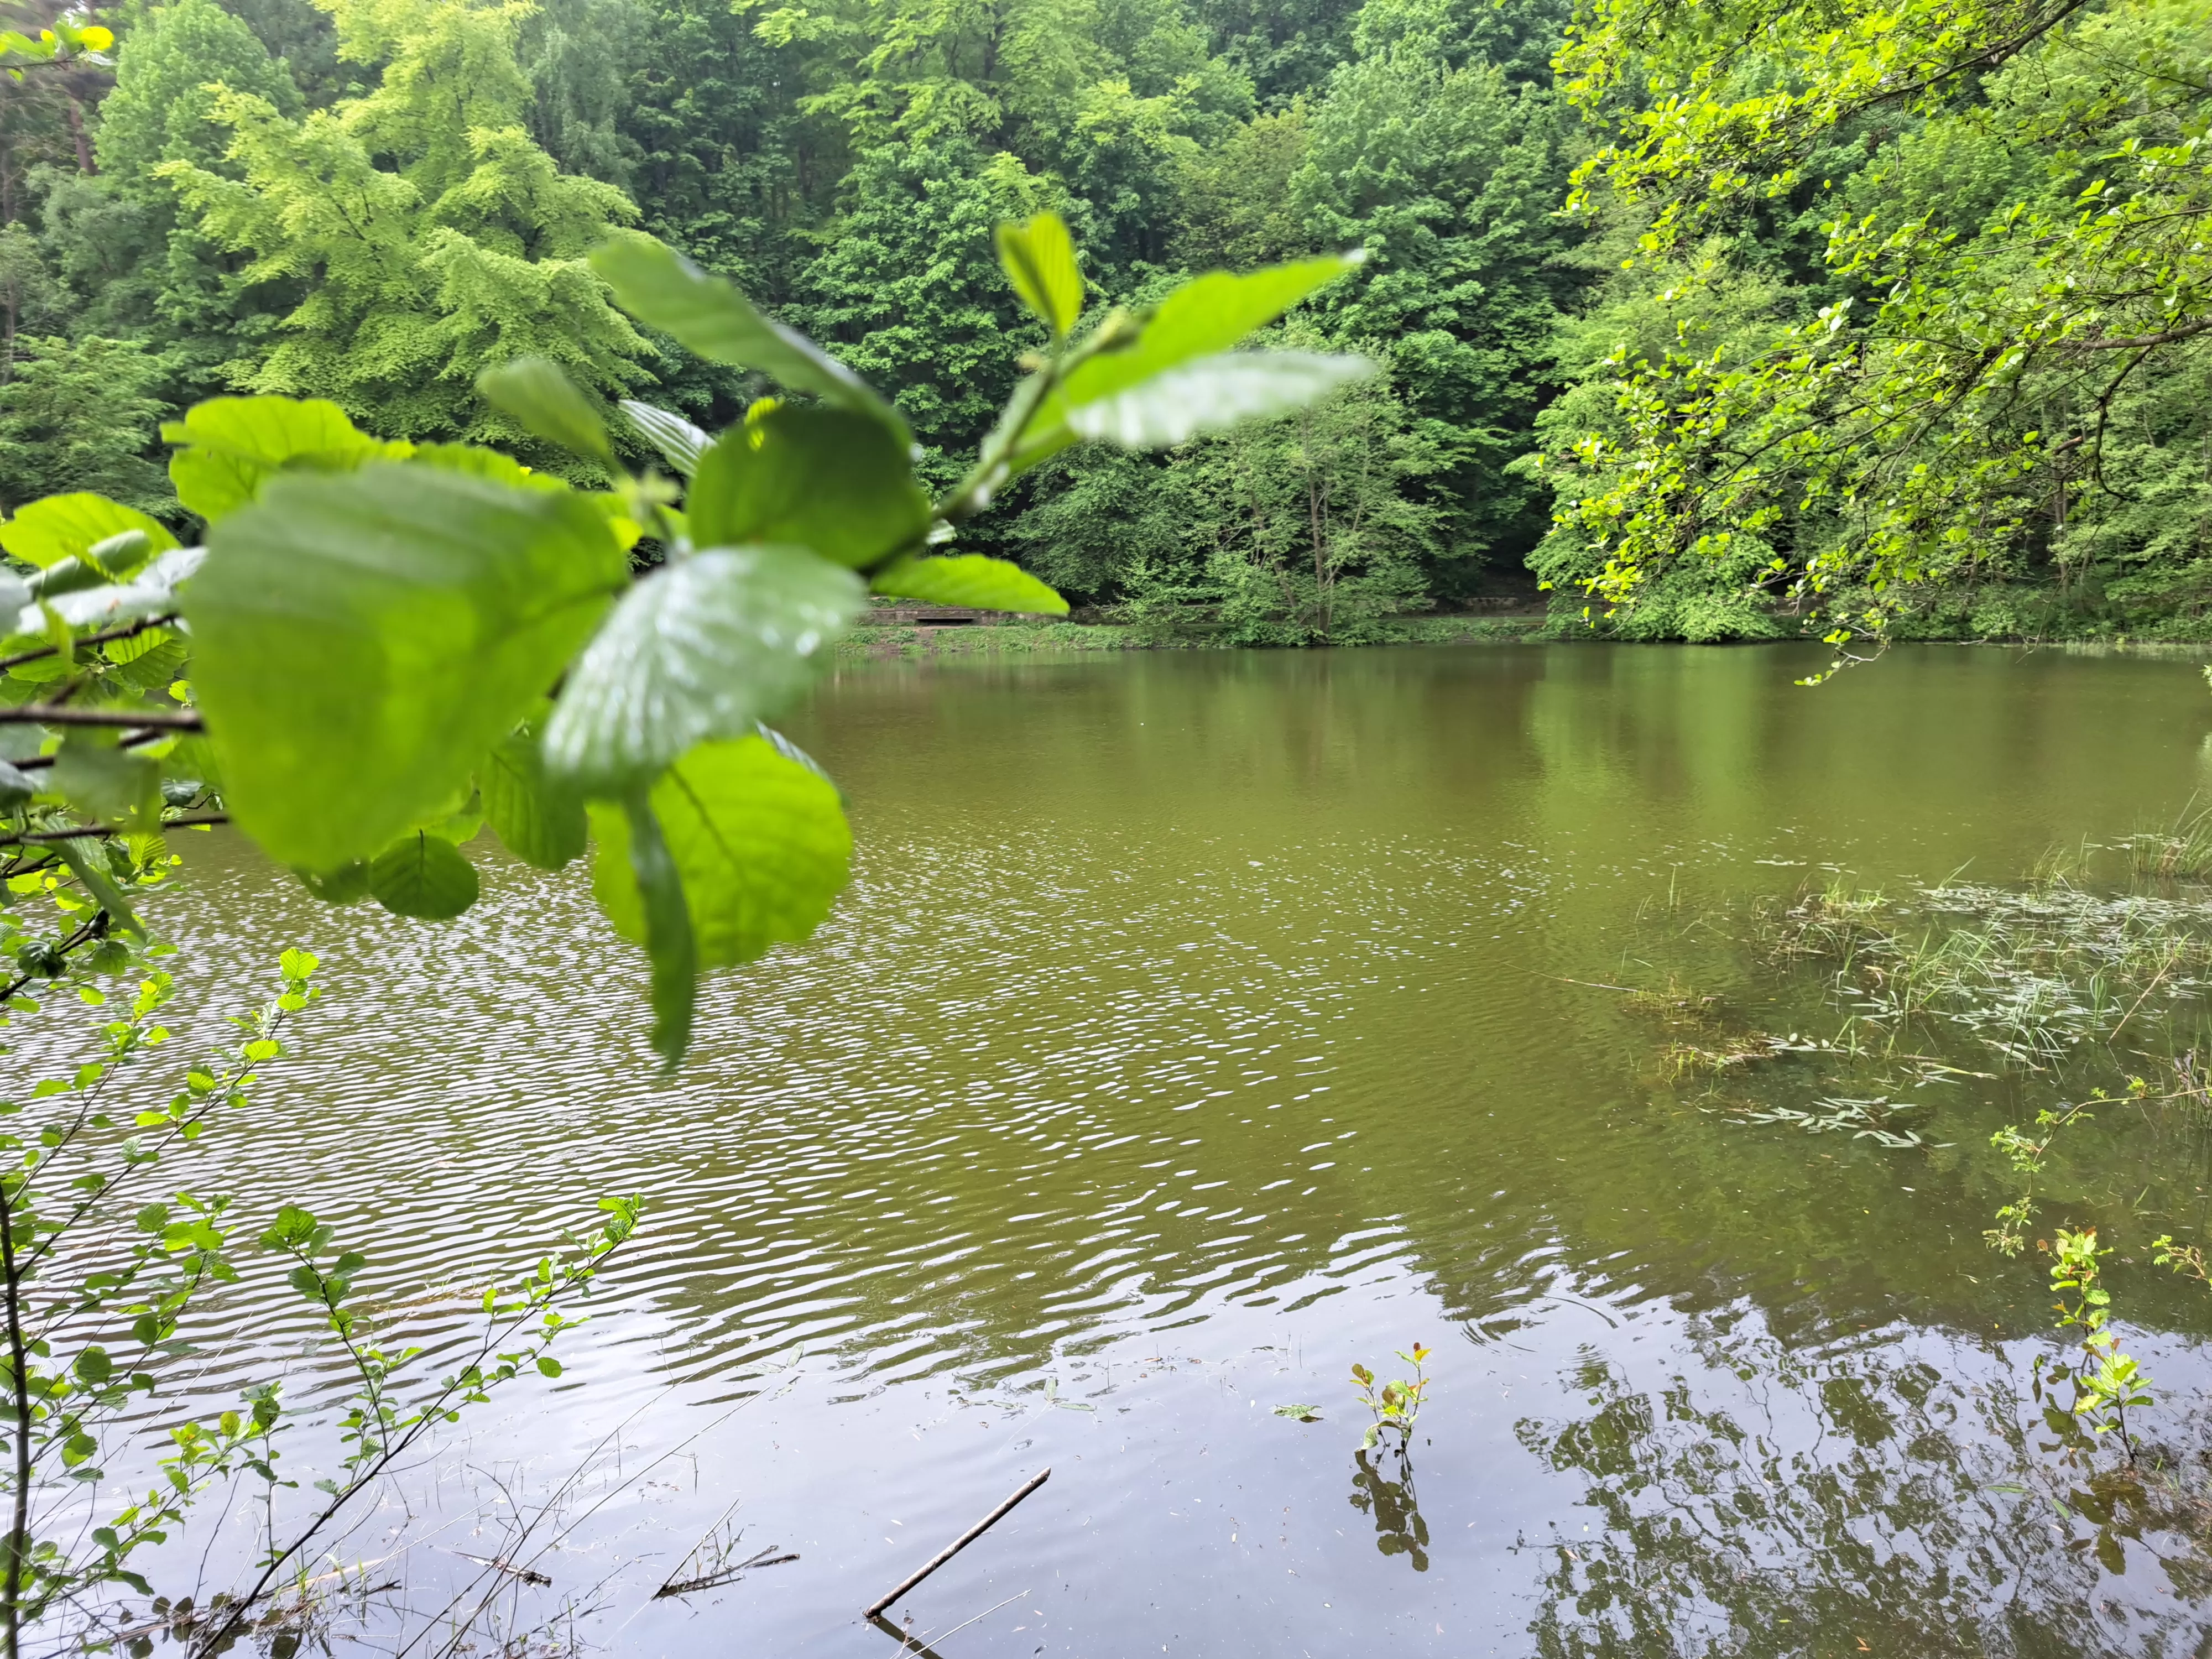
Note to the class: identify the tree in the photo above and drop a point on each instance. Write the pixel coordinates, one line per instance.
(73, 415)
(1307, 529)
(426, 233)
(1944, 416)
(1447, 176)
(909, 290)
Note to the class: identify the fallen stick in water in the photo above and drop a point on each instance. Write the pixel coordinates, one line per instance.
(960, 1543)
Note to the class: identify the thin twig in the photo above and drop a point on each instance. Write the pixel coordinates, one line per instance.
(961, 1542)
(128, 740)
(108, 637)
(190, 820)
(54, 713)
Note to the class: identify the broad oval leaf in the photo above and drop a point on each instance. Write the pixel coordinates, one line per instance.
(759, 840)
(537, 394)
(1212, 393)
(362, 640)
(423, 875)
(680, 443)
(1039, 260)
(540, 821)
(234, 445)
(828, 480)
(664, 290)
(1205, 316)
(702, 648)
(45, 532)
(969, 579)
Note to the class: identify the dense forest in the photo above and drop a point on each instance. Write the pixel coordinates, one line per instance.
(371, 200)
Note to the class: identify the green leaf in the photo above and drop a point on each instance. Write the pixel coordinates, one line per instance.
(1039, 260)
(61, 527)
(669, 940)
(680, 443)
(95, 1366)
(233, 444)
(1212, 393)
(108, 785)
(361, 641)
(538, 395)
(480, 463)
(1204, 316)
(969, 579)
(759, 839)
(664, 290)
(88, 865)
(825, 479)
(424, 875)
(540, 821)
(706, 648)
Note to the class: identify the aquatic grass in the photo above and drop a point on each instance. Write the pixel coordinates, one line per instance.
(1874, 1120)
(2031, 973)
(2181, 854)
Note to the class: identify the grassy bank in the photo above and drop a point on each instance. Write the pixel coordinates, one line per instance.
(1012, 638)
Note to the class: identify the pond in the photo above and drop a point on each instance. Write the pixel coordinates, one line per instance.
(1199, 1025)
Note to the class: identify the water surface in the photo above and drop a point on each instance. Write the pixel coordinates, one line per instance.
(1202, 1024)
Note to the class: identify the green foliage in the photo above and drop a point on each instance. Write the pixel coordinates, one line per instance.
(1987, 377)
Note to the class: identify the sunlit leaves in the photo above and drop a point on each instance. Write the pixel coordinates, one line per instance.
(702, 648)
(969, 579)
(664, 290)
(362, 639)
(758, 839)
(231, 445)
(823, 478)
(45, 532)
(1039, 260)
(1212, 393)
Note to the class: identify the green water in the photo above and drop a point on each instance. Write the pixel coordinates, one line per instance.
(1201, 1023)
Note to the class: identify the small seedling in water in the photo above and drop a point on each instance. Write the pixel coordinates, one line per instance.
(2109, 1381)
(1298, 1413)
(1396, 1405)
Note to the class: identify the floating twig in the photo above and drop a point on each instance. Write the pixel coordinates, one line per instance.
(766, 1557)
(527, 1575)
(961, 1542)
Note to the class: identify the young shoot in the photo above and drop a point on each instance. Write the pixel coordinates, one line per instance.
(1396, 1405)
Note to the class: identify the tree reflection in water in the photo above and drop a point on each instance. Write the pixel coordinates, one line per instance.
(1907, 1499)
(1383, 1487)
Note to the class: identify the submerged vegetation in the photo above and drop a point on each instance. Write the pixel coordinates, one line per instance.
(2089, 998)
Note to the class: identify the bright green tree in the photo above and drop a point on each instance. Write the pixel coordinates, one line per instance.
(427, 234)
(2022, 255)
(73, 415)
